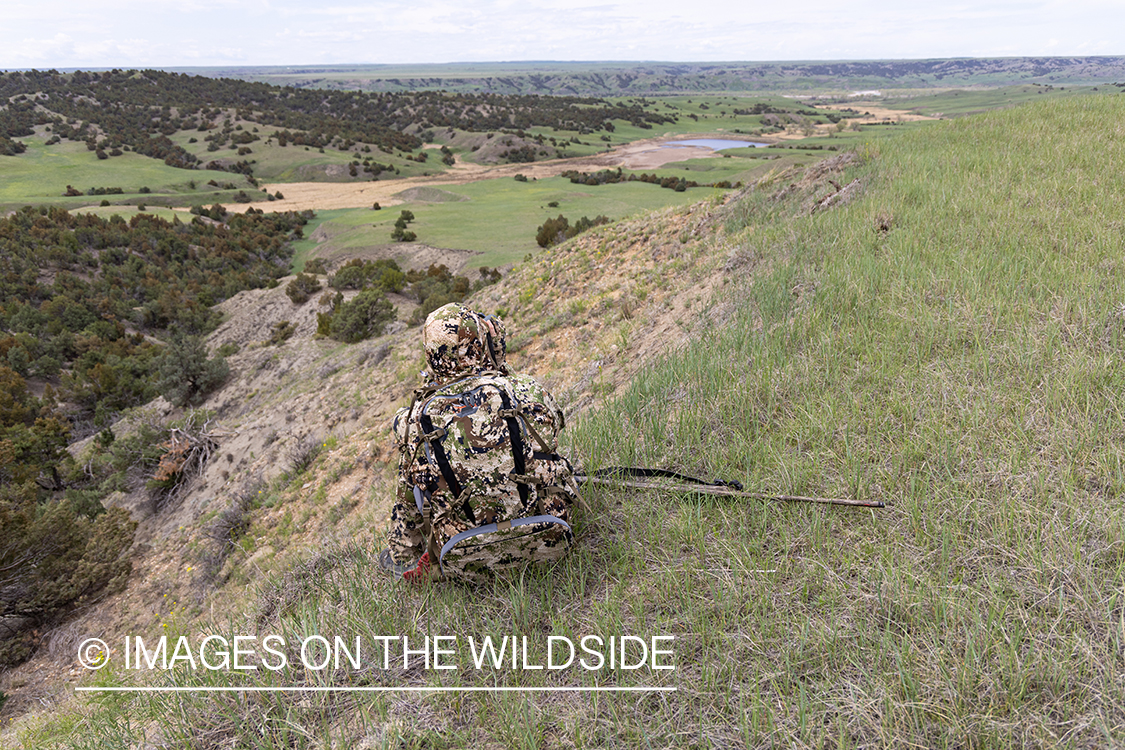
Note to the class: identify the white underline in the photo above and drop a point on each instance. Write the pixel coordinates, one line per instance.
(226, 689)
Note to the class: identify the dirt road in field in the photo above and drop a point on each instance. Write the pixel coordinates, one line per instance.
(298, 196)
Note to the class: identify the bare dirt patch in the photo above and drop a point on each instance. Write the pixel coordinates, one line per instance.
(431, 195)
(654, 153)
(409, 256)
(877, 113)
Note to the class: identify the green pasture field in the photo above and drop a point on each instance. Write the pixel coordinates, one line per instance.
(521, 207)
(303, 250)
(743, 165)
(851, 137)
(959, 102)
(499, 220)
(40, 176)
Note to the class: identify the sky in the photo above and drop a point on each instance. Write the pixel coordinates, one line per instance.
(46, 34)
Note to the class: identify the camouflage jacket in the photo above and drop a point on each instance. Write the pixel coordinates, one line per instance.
(478, 444)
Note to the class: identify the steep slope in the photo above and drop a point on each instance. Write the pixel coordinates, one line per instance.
(303, 456)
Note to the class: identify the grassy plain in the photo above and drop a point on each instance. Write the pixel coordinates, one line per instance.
(499, 220)
(852, 137)
(41, 174)
(959, 102)
(704, 114)
(951, 342)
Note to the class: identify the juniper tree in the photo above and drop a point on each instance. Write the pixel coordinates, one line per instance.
(186, 375)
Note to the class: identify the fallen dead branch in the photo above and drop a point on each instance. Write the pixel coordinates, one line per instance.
(186, 451)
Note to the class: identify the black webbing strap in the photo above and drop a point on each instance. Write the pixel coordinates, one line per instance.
(441, 458)
(518, 414)
(515, 436)
(633, 471)
(490, 345)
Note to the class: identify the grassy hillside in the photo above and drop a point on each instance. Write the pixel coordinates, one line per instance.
(958, 102)
(41, 175)
(949, 343)
(945, 335)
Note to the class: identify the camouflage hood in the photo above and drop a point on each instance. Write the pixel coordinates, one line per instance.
(460, 342)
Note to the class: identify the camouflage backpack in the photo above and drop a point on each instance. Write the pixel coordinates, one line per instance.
(479, 455)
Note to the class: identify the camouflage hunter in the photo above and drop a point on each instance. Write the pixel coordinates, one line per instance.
(481, 484)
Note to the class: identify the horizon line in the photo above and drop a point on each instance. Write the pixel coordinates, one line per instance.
(352, 65)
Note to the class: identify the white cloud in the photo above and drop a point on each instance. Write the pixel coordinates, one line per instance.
(169, 32)
(32, 52)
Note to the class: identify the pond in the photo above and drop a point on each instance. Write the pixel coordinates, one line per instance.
(716, 144)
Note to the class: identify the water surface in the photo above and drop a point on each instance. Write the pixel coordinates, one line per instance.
(716, 144)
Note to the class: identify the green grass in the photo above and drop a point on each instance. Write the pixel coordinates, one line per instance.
(966, 368)
(748, 165)
(960, 102)
(303, 249)
(501, 217)
(40, 176)
(851, 137)
(42, 173)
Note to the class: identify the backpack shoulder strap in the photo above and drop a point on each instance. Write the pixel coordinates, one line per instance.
(441, 458)
(515, 440)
